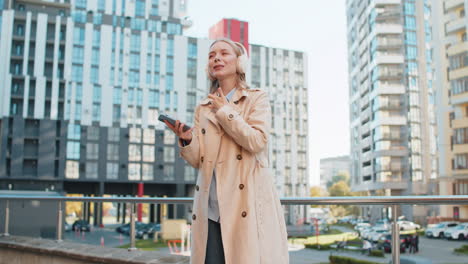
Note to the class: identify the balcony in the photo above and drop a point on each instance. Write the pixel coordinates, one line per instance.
(457, 48)
(453, 4)
(460, 174)
(460, 123)
(378, 3)
(388, 58)
(455, 26)
(382, 29)
(461, 98)
(460, 148)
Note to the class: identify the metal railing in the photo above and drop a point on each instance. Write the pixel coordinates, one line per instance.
(393, 201)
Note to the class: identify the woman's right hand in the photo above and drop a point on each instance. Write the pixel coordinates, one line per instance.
(178, 130)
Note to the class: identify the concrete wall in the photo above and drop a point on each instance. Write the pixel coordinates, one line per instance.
(18, 250)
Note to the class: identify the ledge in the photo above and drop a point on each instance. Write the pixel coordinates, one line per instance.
(85, 253)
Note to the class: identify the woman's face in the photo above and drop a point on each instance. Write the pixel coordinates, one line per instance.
(222, 61)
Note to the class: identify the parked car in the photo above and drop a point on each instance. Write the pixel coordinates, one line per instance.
(67, 227)
(408, 225)
(360, 226)
(439, 229)
(459, 232)
(377, 234)
(81, 225)
(385, 243)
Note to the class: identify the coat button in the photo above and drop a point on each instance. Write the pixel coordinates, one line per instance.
(244, 214)
(197, 188)
(194, 217)
(241, 186)
(239, 157)
(201, 159)
(231, 116)
(203, 131)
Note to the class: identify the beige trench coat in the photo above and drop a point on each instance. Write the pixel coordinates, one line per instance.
(234, 141)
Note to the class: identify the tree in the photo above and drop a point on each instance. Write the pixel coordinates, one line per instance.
(341, 176)
(317, 191)
(340, 188)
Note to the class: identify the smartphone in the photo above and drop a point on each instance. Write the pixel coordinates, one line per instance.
(171, 121)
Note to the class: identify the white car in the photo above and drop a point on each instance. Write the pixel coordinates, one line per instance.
(377, 234)
(439, 229)
(408, 225)
(360, 226)
(459, 232)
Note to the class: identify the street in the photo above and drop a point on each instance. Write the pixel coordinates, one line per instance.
(440, 251)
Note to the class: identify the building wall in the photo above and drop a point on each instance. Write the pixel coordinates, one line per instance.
(452, 102)
(330, 167)
(392, 124)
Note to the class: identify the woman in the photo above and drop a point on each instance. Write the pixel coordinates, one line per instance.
(237, 217)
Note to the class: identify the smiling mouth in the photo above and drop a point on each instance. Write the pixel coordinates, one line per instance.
(219, 67)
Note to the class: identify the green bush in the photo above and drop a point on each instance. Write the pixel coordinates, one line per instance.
(322, 247)
(377, 253)
(348, 260)
(462, 250)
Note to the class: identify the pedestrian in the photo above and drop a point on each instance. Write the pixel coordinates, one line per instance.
(407, 242)
(416, 243)
(237, 216)
(366, 247)
(341, 245)
(413, 244)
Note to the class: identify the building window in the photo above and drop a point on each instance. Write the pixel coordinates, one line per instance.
(148, 173)
(461, 161)
(148, 153)
(169, 154)
(153, 100)
(148, 136)
(190, 173)
(135, 135)
(458, 61)
(93, 133)
(168, 173)
(461, 136)
(134, 152)
(134, 172)
(169, 137)
(91, 170)
(92, 151)
(113, 152)
(72, 169)
(112, 171)
(73, 150)
(113, 134)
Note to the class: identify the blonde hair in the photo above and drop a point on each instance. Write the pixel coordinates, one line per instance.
(242, 60)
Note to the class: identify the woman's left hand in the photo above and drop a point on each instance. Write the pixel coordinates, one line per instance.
(217, 101)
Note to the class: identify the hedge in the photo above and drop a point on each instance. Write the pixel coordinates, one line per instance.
(348, 260)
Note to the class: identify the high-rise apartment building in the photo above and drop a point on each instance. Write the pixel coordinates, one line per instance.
(451, 64)
(393, 149)
(82, 84)
(283, 74)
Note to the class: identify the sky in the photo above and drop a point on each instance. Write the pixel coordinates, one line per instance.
(316, 27)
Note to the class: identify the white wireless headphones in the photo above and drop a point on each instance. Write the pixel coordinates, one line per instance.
(243, 59)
